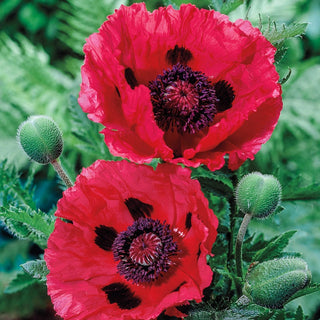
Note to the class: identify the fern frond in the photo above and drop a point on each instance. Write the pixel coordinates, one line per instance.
(79, 18)
(29, 82)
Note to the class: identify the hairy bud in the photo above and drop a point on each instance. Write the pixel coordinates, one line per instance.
(272, 283)
(41, 139)
(258, 194)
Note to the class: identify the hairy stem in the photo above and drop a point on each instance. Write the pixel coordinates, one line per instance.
(57, 166)
(239, 242)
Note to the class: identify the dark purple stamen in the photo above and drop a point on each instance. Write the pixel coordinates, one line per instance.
(183, 99)
(144, 250)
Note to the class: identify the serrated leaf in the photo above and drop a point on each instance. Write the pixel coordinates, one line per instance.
(217, 183)
(37, 269)
(294, 191)
(221, 208)
(21, 281)
(279, 315)
(201, 315)
(78, 19)
(299, 314)
(11, 189)
(274, 248)
(28, 224)
(277, 34)
(21, 304)
(227, 6)
(87, 132)
(246, 312)
(280, 53)
(285, 78)
(231, 5)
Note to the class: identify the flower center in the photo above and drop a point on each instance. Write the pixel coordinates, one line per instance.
(183, 100)
(144, 250)
(182, 95)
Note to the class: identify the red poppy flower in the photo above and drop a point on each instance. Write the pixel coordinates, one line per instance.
(137, 244)
(187, 86)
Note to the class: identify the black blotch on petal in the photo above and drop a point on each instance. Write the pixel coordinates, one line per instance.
(188, 220)
(138, 209)
(225, 94)
(198, 253)
(120, 294)
(179, 286)
(105, 237)
(178, 55)
(118, 92)
(130, 78)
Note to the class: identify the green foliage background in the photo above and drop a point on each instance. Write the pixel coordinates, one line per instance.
(40, 58)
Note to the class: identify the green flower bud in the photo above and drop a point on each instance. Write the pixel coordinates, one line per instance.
(272, 283)
(258, 194)
(41, 139)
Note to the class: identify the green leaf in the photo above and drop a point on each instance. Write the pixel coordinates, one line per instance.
(245, 312)
(11, 189)
(21, 281)
(7, 7)
(30, 82)
(274, 248)
(285, 78)
(276, 34)
(79, 19)
(299, 314)
(90, 141)
(22, 303)
(226, 7)
(217, 183)
(37, 269)
(32, 18)
(294, 191)
(231, 5)
(28, 224)
(11, 253)
(315, 287)
(201, 315)
(279, 315)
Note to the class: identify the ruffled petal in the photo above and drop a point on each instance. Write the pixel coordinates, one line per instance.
(84, 280)
(131, 49)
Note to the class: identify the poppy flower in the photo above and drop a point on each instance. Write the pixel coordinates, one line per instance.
(187, 86)
(137, 244)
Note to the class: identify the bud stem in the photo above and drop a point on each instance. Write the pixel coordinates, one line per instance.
(239, 242)
(57, 166)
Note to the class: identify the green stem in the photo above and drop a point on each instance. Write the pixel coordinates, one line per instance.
(57, 166)
(239, 242)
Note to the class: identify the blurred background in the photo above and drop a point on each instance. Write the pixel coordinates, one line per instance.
(40, 58)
